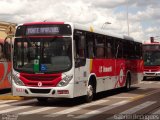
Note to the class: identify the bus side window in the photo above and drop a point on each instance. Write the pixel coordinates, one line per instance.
(109, 51)
(80, 48)
(138, 51)
(119, 48)
(7, 51)
(2, 57)
(90, 45)
(132, 50)
(109, 47)
(100, 41)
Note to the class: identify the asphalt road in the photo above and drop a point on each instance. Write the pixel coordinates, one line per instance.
(142, 102)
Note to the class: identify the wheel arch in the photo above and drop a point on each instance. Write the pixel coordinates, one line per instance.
(92, 80)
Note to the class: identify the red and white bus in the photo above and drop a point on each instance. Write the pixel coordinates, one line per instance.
(5, 63)
(67, 60)
(151, 56)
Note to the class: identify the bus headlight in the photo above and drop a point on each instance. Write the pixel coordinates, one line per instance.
(17, 80)
(65, 81)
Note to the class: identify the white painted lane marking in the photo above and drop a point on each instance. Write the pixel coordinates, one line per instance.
(138, 107)
(76, 108)
(37, 110)
(17, 103)
(142, 82)
(101, 110)
(157, 112)
(7, 101)
(122, 97)
(14, 109)
(135, 109)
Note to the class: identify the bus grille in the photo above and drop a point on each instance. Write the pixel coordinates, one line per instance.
(152, 74)
(46, 80)
(40, 78)
(45, 91)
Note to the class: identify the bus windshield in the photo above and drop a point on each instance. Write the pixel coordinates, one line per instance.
(42, 54)
(151, 58)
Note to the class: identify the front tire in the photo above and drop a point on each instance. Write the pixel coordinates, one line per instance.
(42, 99)
(90, 93)
(144, 78)
(128, 83)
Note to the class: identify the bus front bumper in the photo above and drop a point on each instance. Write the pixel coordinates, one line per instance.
(151, 74)
(53, 92)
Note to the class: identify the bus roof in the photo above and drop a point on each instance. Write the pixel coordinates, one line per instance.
(102, 31)
(37, 23)
(151, 43)
(91, 29)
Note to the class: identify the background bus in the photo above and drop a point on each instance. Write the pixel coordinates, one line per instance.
(7, 30)
(151, 56)
(5, 63)
(67, 60)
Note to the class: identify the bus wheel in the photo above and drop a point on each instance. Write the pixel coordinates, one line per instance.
(90, 92)
(42, 99)
(144, 78)
(128, 83)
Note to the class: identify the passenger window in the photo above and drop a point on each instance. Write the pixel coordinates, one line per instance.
(79, 48)
(90, 45)
(2, 56)
(100, 41)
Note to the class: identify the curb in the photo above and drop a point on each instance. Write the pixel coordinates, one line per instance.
(10, 97)
(5, 94)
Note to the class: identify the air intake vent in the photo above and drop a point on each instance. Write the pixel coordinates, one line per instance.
(44, 91)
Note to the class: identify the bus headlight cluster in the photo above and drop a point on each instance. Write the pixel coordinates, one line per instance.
(65, 81)
(17, 80)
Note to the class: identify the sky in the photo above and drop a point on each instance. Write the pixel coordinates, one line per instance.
(143, 15)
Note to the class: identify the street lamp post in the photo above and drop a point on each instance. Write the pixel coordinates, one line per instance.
(127, 19)
(105, 24)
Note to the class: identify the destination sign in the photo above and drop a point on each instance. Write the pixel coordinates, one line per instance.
(42, 30)
(151, 47)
